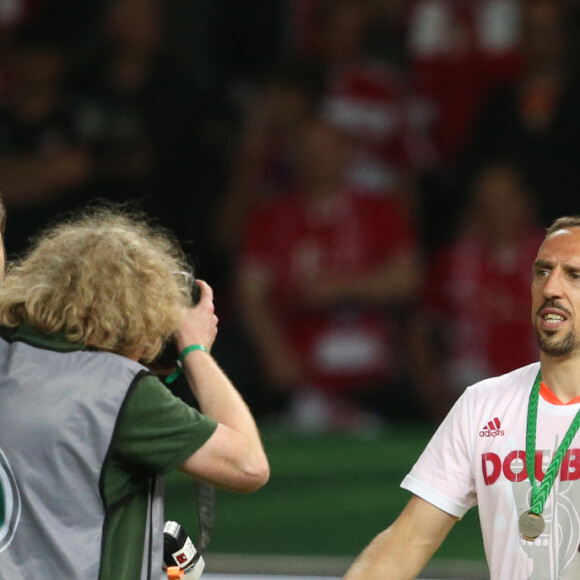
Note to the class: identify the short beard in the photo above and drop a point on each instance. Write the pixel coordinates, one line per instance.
(561, 348)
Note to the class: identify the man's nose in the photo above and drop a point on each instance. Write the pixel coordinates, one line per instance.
(553, 285)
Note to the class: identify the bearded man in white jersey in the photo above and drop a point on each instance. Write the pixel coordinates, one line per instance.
(510, 445)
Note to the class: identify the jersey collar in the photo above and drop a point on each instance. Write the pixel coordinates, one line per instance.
(550, 397)
(33, 336)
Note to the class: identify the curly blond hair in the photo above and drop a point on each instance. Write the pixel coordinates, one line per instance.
(106, 279)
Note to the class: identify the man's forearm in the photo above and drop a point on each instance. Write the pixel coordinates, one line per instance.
(216, 395)
(219, 400)
(401, 551)
(233, 458)
(385, 559)
(397, 280)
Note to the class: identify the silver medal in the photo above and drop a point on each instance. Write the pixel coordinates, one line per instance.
(531, 525)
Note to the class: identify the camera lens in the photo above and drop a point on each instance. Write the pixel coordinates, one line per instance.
(196, 294)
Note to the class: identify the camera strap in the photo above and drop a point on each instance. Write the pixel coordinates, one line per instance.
(205, 511)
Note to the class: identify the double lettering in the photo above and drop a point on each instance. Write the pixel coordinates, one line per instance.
(570, 470)
(513, 466)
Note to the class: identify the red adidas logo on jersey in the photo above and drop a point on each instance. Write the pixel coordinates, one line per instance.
(492, 429)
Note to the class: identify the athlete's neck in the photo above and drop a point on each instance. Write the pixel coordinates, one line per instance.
(561, 376)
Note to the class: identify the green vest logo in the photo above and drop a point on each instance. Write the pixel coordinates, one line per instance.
(10, 505)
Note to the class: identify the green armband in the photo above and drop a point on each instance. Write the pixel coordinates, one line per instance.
(182, 356)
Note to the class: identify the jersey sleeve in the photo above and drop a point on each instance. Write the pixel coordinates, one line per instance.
(443, 474)
(156, 430)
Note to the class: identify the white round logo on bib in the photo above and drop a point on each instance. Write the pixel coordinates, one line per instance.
(10, 505)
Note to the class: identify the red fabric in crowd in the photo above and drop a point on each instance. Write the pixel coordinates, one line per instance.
(294, 242)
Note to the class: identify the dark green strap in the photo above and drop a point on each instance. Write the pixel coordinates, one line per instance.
(205, 512)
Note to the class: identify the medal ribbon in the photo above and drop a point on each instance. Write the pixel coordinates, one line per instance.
(540, 494)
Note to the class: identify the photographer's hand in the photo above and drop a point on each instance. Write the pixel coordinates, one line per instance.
(199, 324)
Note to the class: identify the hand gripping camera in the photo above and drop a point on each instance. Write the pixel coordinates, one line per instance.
(180, 557)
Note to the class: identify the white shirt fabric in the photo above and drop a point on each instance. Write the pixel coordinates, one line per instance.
(477, 457)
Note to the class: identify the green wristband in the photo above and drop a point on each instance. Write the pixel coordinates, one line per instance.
(188, 349)
(182, 356)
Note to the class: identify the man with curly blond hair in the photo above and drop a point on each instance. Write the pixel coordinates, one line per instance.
(86, 430)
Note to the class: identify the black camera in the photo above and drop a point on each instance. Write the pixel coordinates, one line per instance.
(180, 552)
(196, 293)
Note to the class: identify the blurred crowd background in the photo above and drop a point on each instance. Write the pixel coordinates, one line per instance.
(364, 183)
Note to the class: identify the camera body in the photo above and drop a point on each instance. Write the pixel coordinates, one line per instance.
(196, 293)
(180, 552)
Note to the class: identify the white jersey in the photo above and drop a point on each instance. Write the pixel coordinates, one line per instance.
(478, 457)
